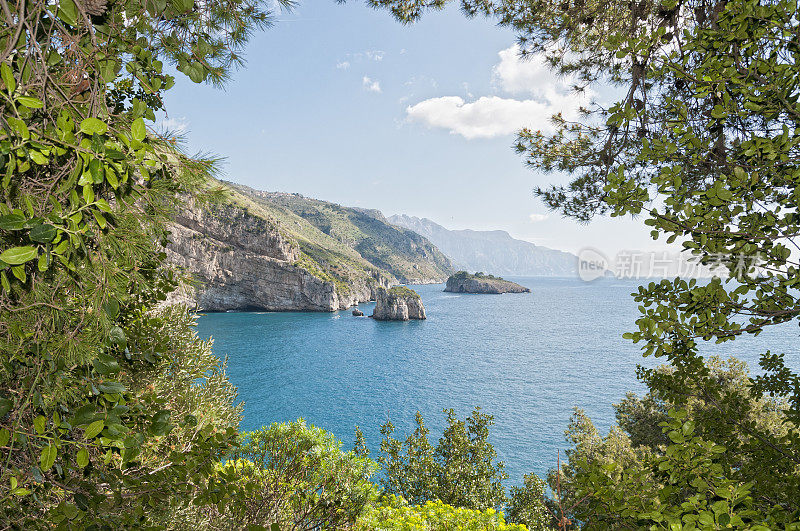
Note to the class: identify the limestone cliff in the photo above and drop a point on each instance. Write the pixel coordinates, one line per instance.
(245, 253)
(463, 282)
(398, 304)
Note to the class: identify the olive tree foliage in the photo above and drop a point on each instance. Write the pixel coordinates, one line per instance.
(461, 470)
(703, 145)
(109, 408)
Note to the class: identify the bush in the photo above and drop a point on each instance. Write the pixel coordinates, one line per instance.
(526, 504)
(296, 476)
(395, 513)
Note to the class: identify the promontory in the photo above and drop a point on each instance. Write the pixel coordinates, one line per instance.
(463, 282)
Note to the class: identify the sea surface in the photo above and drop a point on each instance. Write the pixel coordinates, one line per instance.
(527, 359)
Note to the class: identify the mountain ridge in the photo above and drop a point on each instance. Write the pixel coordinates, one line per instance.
(494, 251)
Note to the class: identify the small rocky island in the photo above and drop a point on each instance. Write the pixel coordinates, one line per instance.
(397, 304)
(463, 282)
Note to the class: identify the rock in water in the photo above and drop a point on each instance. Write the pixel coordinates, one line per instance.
(397, 304)
(463, 282)
(358, 313)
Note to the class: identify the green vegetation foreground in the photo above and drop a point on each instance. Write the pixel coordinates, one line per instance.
(114, 415)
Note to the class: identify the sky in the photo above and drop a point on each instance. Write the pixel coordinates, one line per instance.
(342, 103)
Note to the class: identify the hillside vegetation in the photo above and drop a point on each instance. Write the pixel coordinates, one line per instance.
(408, 256)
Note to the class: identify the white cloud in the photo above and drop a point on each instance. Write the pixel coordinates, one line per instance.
(485, 117)
(375, 55)
(344, 65)
(531, 75)
(535, 218)
(371, 85)
(490, 116)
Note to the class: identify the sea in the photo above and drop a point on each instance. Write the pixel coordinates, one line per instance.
(527, 359)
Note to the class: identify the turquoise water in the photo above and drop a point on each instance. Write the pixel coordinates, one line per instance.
(528, 359)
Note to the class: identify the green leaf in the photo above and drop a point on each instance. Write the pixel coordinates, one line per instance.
(88, 193)
(8, 77)
(93, 126)
(5, 436)
(43, 263)
(39, 424)
(82, 458)
(138, 130)
(111, 177)
(94, 429)
(30, 102)
(47, 457)
(105, 364)
(44, 233)
(103, 205)
(68, 12)
(12, 222)
(99, 218)
(111, 388)
(183, 6)
(19, 126)
(111, 308)
(19, 255)
(117, 336)
(38, 157)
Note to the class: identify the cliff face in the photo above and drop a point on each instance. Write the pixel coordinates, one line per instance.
(241, 261)
(463, 282)
(398, 304)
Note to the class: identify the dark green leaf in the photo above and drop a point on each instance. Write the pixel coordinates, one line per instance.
(44, 233)
(12, 222)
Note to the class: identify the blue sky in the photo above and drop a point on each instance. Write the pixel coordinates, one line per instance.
(342, 103)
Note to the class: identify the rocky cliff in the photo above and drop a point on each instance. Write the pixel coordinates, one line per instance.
(398, 304)
(242, 262)
(245, 253)
(463, 282)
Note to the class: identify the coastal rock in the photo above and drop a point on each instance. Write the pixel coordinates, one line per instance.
(358, 313)
(398, 304)
(463, 282)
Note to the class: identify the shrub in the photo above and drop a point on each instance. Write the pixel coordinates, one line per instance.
(395, 513)
(296, 476)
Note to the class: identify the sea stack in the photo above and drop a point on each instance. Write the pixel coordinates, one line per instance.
(463, 282)
(397, 304)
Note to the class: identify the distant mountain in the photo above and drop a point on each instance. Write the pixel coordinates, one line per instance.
(494, 252)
